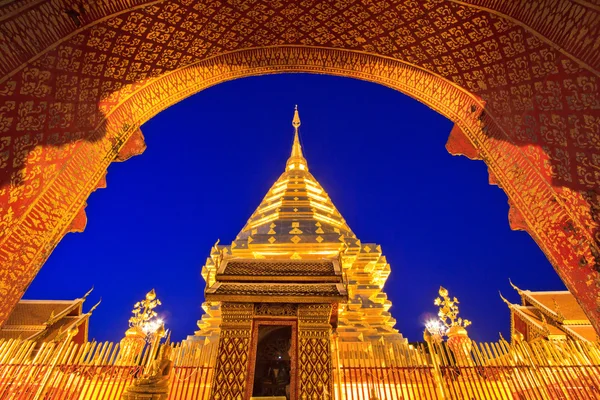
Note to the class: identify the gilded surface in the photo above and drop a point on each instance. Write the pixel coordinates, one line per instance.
(270, 289)
(315, 380)
(73, 93)
(279, 267)
(231, 369)
(296, 232)
(276, 310)
(360, 371)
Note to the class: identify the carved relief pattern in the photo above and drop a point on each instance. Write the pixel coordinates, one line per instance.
(65, 115)
(557, 21)
(20, 15)
(315, 380)
(275, 310)
(231, 369)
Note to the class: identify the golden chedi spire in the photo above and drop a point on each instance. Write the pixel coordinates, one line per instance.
(296, 219)
(296, 160)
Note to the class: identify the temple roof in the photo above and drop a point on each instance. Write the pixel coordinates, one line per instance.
(553, 314)
(562, 304)
(532, 317)
(582, 332)
(559, 305)
(295, 213)
(40, 312)
(262, 269)
(277, 292)
(44, 320)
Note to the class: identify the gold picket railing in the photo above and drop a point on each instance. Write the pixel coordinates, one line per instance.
(538, 370)
(67, 371)
(385, 371)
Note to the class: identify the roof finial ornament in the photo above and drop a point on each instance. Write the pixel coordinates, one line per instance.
(296, 160)
(296, 120)
(514, 286)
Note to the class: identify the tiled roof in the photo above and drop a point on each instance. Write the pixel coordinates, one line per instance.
(6, 334)
(532, 315)
(585, 332)
(559, 303)
(32, 312)
(284, 289)
(279, 268)
(62, 326)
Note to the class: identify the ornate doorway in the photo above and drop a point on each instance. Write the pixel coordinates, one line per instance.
(273, 363)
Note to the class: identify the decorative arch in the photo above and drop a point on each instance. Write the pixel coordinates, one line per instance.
(524, 99)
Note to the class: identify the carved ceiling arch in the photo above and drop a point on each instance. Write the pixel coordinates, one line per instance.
(72, 96)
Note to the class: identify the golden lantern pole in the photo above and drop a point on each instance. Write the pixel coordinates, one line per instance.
(142, 326)
(455, 326)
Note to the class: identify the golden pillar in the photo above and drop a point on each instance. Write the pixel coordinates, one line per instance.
(315, 380)
(231, 369)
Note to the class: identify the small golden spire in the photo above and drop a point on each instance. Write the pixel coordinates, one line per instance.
(296, 120)
(296, 160)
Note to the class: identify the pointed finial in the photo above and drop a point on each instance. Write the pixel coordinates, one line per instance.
(514, 286)
(88, 293)
(296, 160)
(508, 303)
(296, 120)
(95, 306)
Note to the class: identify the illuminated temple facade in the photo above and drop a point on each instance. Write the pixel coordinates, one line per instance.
(295, 310)
(297, 235)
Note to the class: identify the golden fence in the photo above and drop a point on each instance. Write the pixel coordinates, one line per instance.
(67, 371)
(538, 370)
(385, 371)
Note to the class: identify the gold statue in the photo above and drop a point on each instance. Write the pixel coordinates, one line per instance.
(159, 371)
(155, 382)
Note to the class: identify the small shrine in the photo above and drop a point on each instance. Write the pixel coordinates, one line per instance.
(277, 320)
(548, 315)
(48, 320)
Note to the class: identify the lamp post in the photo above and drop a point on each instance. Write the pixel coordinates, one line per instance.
(452, 326)
(143, 325)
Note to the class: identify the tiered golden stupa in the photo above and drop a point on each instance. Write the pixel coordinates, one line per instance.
(297, 220)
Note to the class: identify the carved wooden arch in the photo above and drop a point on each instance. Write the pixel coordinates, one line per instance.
(46, 178)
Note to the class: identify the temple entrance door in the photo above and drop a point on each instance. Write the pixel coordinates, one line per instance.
(273, 365)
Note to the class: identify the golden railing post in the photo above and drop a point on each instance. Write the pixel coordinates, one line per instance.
(336, 349)
(43, 385)
(437, 372)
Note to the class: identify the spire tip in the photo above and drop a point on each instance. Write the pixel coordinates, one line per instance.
(296, 120)
(296, 159)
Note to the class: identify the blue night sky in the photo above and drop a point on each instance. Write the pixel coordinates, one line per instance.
(378, 153)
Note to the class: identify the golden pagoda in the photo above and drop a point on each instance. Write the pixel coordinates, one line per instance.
(297, 220)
